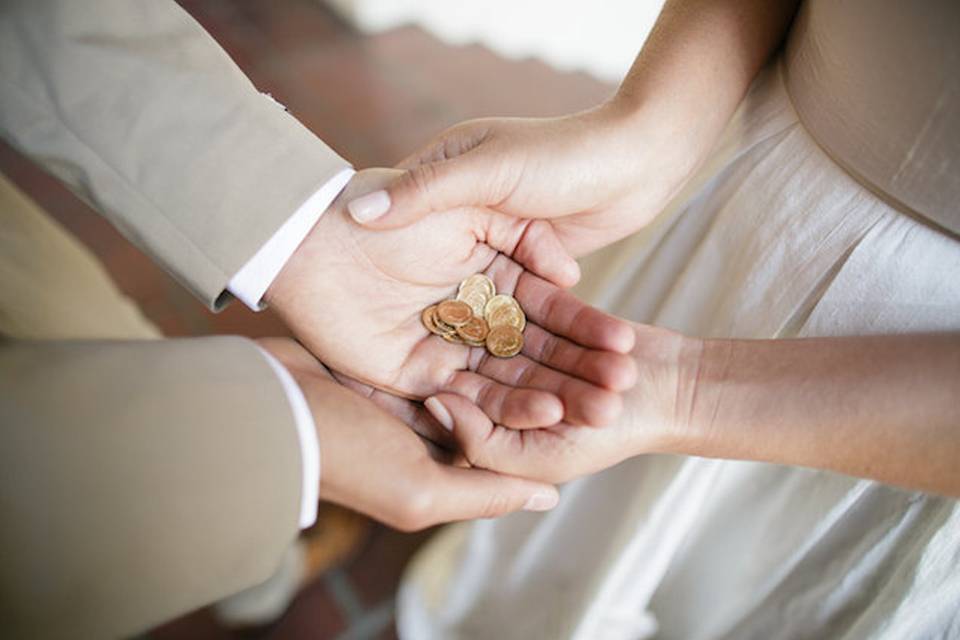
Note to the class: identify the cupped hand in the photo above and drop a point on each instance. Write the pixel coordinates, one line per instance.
(373, 463)
(353, 297)
(598, 175)
(655, 420)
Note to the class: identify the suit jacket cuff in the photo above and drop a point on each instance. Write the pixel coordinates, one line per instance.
(253, 279)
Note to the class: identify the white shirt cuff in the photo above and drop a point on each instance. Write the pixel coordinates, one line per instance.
(255, 277)
(307, 436)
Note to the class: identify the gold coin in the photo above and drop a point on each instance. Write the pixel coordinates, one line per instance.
(429, 319)
(504, 341)
(497, 301)
(454, 312)
(478, 282)
(476, 298)
(452, 337)
(475, 331)
(443, 329)
(504, 310)
(476, 291)
(433, 324)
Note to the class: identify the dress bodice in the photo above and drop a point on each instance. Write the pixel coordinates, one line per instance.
(877, 85)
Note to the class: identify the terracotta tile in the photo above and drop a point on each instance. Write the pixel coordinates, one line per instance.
(293, 24)
(237, 319)
(314, 615)
(480, 82)
(376, 572)
(55, 198)
(199, 625)
(390, 633)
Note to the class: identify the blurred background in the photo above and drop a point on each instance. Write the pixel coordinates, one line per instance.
(374, 79)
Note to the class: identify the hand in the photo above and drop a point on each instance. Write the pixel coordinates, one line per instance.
(655, 420)
(598, 175)
(373, 463)
(354, 296)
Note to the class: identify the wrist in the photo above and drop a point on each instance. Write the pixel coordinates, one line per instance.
(663, 146)
(685, 434)
(660, 404)
(276, 294)
(301, 270)
(707, 396)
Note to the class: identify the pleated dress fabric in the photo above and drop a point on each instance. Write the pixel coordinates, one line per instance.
(773, 238)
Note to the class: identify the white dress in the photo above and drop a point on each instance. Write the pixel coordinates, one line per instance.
(771, 239)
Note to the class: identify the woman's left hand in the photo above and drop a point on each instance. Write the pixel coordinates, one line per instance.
(655, 420)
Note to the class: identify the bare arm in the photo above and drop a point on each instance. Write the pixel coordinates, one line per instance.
(695, 68)
(601, 174)
(883, 407)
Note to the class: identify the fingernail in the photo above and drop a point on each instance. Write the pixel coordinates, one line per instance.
(438, 411)
(541, 502)
(369, 207)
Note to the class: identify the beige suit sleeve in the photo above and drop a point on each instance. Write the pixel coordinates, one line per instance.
(140, 111)
(139, 480)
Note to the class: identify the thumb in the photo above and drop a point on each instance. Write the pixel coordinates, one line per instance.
(477, 493)
(462, 181)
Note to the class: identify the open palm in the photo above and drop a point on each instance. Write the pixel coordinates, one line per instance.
(653, 420)
(373, 462)
(354, 296)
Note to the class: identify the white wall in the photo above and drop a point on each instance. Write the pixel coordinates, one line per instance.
(601, 37)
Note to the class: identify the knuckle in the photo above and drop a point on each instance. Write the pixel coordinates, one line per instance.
(550, 310)
(470, 452)
(416, 512)
(489, 398)
(422, 178)
(496, 505)
(526, 374)
(474, 454)
(550, 350)
(481, 361)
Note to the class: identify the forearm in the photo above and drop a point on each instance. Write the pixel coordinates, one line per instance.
(885, 407)
(695, 68)
(140, 111)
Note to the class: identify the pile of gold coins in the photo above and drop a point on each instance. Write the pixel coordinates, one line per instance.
(479, 317)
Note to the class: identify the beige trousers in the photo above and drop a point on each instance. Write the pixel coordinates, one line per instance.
(53, 288)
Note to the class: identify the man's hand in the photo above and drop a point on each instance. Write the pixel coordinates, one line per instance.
(354, 296)
(373, 463)
(655, 420)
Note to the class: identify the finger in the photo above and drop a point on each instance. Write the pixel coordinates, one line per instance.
(518, 408)
(415, 416)
(470, 493)
(356, 386)
(536, 247)
(410, 413)
(563, 314)
(583, 403)
(466, 180)
(614, 371)
(488, 445)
